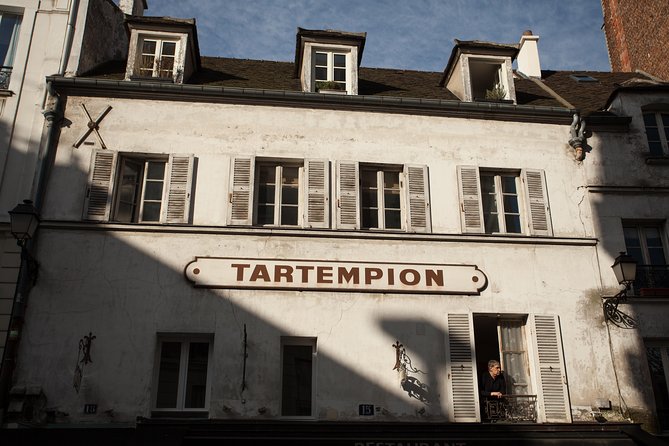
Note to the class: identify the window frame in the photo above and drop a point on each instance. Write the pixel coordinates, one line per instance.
(663, 346)
(278, 204)
(380, 170)
(304, 342)
(643, 242)
(662, 131)
(330, 67)
(499, 199)
(12, 46)
(185, 340)
(159, 40)
(141, 199)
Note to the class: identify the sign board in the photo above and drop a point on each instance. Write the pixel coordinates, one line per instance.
(328, 275)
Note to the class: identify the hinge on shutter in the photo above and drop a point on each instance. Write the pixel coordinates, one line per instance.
(462, 207)
(338, 204)
(88, 192)
(230, 197)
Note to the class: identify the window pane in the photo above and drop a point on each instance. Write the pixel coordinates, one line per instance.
(265, 214)
(649, 119)
(665, 119)
(392, 199)
(156, 170)
(169, 48)
(146, 64)
(296, 383)
(290, 175)
(168, 375)
(659, 384)
(510, 204)
(509, 184)
(266, 194)
(339, 75)
(196, 380)
(288, 215)
(128, 192)
(652, 134)
(289, 195)
(149, 47)
(370, 218)
(491, 223)
(368, 178)
(393, 219)
(166, 66)
(125, 212)
(321, 59)
(321, 74)
(154, 190)
(340, 60)
(370, 198)
(653, 238)
(391, 180)
(266, 174)
(656, 256)
(655, 148)
(512, 224)
(9, 30)
(151, 211)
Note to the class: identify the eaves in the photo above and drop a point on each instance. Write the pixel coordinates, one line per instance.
(80, 86)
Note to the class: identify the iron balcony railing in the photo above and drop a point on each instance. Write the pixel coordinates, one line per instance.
(511, 409)
(649, 277)
(5, 74)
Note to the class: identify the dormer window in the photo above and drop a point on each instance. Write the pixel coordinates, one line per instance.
(327, 61)
(481, 71)
(157, 58)
(162, 48)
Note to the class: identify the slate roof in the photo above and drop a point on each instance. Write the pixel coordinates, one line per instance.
(588, 97)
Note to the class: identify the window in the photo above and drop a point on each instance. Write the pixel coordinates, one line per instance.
(135, 188)
(278, 189)
(645, 243)
(582, 78)
(291, 193)
(330, 70)
(183, 373)
(488, 80)
(501, 210)
(382, 196)
(657, 353)
(157, 58)
(9, 34)
(380, 193)
(503, 201)
(297, 376)
(657, 132)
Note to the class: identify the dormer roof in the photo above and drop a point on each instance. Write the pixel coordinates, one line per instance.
(478, 47)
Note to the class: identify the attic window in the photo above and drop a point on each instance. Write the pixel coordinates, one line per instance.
(487, 80)
(583, 78)
(157, 58)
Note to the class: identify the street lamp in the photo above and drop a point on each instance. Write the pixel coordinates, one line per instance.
(23, 222)
(624, 267)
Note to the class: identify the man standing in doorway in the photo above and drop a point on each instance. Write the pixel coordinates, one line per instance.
(492, 385)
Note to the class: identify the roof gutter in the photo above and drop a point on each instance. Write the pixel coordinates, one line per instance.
(251, 96)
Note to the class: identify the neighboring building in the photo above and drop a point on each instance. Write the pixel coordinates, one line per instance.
(636, 35)
(38, 39)
(251, 250)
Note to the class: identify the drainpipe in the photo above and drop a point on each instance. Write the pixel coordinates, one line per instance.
(577, 140)
(69, 36)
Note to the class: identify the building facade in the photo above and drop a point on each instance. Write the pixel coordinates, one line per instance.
(323, 244)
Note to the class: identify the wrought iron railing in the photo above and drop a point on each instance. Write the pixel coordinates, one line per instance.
(511, 409)
(651, 276)
(5, 74)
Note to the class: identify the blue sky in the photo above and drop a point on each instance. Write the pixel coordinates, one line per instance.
(409, 34)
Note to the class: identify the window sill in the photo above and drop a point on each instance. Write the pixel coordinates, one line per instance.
(500, 101)
(325, 91)
(165, 80)
(657, 160)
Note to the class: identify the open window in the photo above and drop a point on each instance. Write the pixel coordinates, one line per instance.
(646, 242)
(382, 196)
(503, 201)
(279, 192)
(9, 36)
(139, 188)
(656, 123)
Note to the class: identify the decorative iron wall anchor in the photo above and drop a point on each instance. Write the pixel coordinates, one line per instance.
(83, 358)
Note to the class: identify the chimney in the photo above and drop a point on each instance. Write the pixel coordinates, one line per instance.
(133, 7)
(528, 55)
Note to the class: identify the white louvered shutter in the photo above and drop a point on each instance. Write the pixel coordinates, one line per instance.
(417, 198)
(348, 202)
(178, 189)
(471, 210)
(241, 191)
(461, 369)
(97, 206)
(317, 194)
(552, 392)
(536, 198)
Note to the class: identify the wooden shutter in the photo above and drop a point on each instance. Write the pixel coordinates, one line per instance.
(317, 197)
(178, 187)
(471, 211)
(417, 198)
(348, 201)
(461, 369)
(536, 199)
(241, 191)
(97, 205)
(552, 391)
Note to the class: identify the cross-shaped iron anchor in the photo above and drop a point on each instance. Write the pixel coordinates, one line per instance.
(93, 126)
